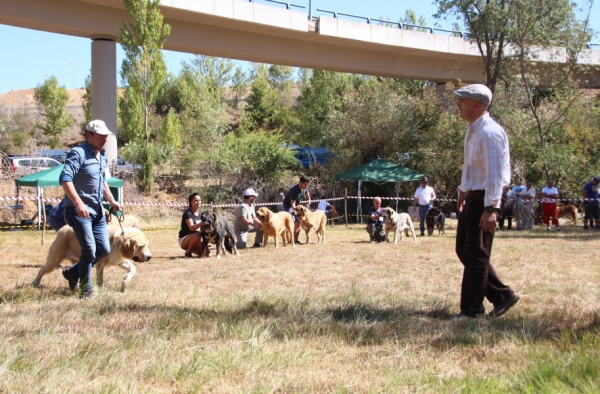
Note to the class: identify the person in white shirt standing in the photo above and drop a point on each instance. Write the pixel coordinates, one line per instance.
(486, 171)
(424, 196)
(525, 214)
(549, 211)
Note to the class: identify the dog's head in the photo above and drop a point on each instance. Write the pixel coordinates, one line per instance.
(263, 214)
(387, 213)
(210, 222)
(300, 211)
(134, 245)
(433, 212)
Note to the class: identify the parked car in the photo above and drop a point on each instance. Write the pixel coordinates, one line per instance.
(56, 154)
(29, 165)
(123, 165)
(309, 157)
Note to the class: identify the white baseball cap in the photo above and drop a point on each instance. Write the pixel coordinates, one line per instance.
(250, 192)
(98, 127)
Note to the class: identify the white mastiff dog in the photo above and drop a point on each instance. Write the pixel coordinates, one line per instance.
(398, 223)
(126, 245)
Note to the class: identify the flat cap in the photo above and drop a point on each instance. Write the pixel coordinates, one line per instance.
(477, 92)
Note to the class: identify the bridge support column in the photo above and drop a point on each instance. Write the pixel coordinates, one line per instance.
(442, 90)
(104, 91)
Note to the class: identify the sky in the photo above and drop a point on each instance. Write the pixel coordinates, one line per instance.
(28, 57)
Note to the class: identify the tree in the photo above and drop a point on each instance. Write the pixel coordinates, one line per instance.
(143, 69)
(143, 72)
(214, 71)
(53, 100)
(87, 100)
(239, 85)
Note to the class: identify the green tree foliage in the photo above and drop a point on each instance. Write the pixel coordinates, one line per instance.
(254, 159)
(215, 72)
(87, 100)
(143, 72)
(321, 96)
(239, 85)
(53, 100)
(263, 102)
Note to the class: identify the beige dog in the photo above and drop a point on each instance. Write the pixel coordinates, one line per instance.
(274, 224)
(126, 245)
(398, 223)
(311, 220)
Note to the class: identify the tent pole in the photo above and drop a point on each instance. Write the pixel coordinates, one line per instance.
(359, 205)
(40, 194)
(397, 194)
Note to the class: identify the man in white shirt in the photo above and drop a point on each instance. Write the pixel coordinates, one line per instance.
(424, 196)
(549, 211)
(486, 171)
(525, 212)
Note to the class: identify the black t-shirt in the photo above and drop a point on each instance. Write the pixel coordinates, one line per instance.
(295, 194)
(185, 230)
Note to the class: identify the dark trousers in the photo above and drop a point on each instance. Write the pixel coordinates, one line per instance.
(508, 215)
(473, 248)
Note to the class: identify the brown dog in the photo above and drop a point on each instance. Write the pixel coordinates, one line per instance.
(274, 224)
(129, 244)
(312, 220)
(569, 212)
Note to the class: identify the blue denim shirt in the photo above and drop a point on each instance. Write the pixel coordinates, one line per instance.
(88, 175)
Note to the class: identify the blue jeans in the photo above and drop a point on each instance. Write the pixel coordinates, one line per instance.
(92, 235)
(422, 212)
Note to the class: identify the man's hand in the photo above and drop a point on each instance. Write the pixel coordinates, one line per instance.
(82, 210)
(460, 202)
(488, 221)
(116, 206)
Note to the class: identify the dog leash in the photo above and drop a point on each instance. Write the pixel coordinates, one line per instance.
(120, 218)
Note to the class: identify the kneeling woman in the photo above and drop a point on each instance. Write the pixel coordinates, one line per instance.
(190, 239)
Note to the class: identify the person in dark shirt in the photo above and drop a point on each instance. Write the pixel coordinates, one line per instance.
(293, 198)
(190, 239)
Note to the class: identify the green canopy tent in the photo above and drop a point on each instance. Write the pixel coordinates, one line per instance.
(379, 171)
(50, 178)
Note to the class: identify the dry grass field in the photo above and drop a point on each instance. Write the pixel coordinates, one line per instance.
(345, 317)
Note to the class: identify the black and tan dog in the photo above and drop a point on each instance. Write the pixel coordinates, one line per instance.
(219, 232)
(435, 219)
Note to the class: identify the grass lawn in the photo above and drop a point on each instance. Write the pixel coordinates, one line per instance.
(346, 316)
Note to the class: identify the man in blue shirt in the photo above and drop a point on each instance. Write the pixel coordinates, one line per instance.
(295, 195)
(592, 206)
(84, 181)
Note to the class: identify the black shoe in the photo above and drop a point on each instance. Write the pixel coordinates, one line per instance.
(72, 282)
(422, 234)
(297, 242)
(585, 227)
(257, 245)
(188, 256)
(504, 307)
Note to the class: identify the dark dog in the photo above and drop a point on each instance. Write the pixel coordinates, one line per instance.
(219, 232)
(435, 219)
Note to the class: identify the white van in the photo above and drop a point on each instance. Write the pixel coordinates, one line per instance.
(29, 165)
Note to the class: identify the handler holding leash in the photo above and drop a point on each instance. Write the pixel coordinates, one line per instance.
(247, 222)
(190, 238)
(486, 171)
(84, 181)
(296, 194)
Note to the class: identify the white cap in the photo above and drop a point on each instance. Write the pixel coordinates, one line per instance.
(250, 192)
(477, 92)
(98, 127)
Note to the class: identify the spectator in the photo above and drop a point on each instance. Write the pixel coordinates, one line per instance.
(591, 203)
(549, 211)
(507, 208)
(190, 238)
(526, 197)
(424, 196)
(279, 199)
(247, 222)
(329, 209)
(375, 222)
(83, 179)
(295, 195)
(518, 188)
(486, 171)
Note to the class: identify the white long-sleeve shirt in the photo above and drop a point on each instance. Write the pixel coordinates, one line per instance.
(487, 160)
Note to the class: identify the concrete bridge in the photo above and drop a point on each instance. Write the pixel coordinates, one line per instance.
(256, 32)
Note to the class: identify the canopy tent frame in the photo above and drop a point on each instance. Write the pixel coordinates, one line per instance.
(50, 178)
(378, 171)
